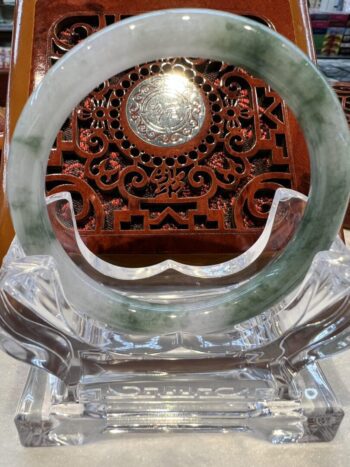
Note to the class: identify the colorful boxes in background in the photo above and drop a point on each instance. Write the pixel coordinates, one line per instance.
(331, 33)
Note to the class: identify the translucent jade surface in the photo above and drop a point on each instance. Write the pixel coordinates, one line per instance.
(194, 33)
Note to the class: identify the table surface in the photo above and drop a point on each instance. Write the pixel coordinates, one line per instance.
(170, 450)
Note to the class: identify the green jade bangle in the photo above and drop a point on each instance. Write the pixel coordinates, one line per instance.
(192, 33)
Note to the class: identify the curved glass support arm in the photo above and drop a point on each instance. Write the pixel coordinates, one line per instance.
(39, 325)
(207, 34)
(284, 218)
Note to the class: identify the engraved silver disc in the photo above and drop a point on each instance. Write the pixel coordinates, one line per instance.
(165, 110)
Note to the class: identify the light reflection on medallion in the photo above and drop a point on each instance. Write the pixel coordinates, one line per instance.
(166, 110)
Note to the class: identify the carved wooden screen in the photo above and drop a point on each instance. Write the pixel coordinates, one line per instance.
(343, 92)
(209, 184)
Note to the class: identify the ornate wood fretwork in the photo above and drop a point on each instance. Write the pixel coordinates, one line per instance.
(343, 92)
(222, 180)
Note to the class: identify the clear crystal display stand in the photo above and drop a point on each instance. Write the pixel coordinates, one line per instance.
(229, 347)
(261, 376)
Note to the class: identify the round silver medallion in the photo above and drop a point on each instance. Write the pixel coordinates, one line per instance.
(165, 110)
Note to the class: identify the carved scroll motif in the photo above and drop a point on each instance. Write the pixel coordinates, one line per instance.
(223, 179)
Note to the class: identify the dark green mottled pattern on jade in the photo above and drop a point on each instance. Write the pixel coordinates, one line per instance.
(193, 33)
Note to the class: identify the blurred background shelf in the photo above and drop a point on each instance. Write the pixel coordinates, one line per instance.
(335, 69)
(333, 57)
(6, 25)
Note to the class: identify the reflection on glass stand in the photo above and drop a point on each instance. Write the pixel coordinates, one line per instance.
(261, 376)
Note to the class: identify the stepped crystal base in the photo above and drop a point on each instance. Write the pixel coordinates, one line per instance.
(278, 406)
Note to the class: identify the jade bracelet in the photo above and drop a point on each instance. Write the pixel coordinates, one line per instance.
(207, 34)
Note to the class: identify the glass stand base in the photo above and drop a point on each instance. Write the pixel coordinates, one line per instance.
(277, 404)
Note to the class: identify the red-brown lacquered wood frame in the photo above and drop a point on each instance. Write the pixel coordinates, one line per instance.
(208, 198)
(343, 92)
